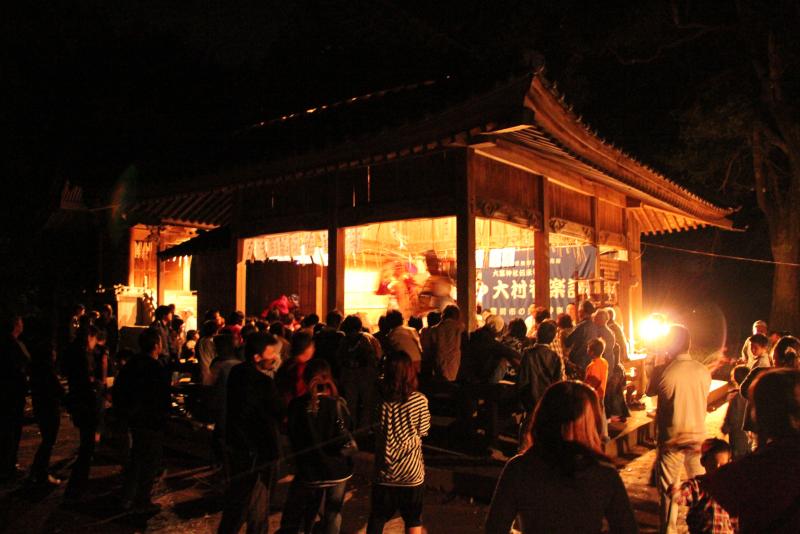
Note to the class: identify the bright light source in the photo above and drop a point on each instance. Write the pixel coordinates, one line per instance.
(653, 328)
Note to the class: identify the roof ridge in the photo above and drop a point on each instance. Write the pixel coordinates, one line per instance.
(346, 101)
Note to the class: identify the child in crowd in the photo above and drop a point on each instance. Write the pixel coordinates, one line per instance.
(597, 376)
(759, 347)
(403, 419)
(734, 417)
(705, 515)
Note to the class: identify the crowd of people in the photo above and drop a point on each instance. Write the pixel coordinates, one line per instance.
(333, 387)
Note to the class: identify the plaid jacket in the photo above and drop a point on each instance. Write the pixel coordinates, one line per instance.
(705, 515)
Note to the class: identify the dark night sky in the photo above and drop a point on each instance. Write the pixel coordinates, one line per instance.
(95, 87)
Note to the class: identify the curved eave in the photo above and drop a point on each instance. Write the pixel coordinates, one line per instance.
(567, 130)
(651, 220)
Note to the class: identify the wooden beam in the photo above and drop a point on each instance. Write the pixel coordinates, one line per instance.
(131, 256)
(642, 221)
(336, 251)
(651, 220)
(541, 248)
(632, 281)
(241, 278)
(596, 234)
(280, 224)
(465, 249)
(662, 218)
(553, 168)
(336, 265)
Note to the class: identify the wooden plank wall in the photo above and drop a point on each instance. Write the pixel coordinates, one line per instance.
(214, 279)
(504, 183)
(610, 217)
(610, 270)
(410, 187)
(286, 198)
(421, 177)
(570, 205)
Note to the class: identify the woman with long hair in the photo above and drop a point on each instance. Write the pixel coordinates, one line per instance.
(562, 482)
(403, 419)
(318, 428)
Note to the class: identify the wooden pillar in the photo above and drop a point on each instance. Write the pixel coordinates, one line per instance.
(634, 275)
(319, 297)
(132, 257)
(541, 249)
(336, 261)
(241, 278)
(159, 281)
(159, 272)
(336, 251)
(596, 286)
(465, 249)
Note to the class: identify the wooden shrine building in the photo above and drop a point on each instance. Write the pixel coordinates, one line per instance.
(497, 195)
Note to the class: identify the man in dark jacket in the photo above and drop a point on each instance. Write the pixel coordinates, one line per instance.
(327, 340)
(162, 326)
(579, 339)
(251, 435)
(357, 360)
(46, 395)
(142, 397)
(540, 367)
(14, 364)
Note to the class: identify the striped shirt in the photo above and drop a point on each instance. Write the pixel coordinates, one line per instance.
(398, 451)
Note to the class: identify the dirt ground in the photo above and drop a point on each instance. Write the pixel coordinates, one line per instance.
(189, 494)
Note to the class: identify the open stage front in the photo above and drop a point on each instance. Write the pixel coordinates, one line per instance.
(412, 266)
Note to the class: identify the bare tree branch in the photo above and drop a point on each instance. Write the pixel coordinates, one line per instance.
(729, 169)
(677, 18)
(758, 171)
(775, 63)
(664, 47)
(774, 139)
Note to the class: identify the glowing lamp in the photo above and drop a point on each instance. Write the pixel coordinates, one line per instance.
(653, 328)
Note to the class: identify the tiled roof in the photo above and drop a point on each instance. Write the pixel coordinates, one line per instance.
(415, 118)
(405, 119)
(203, 209)
(569, 132)
(216, 239)
(358, 131)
